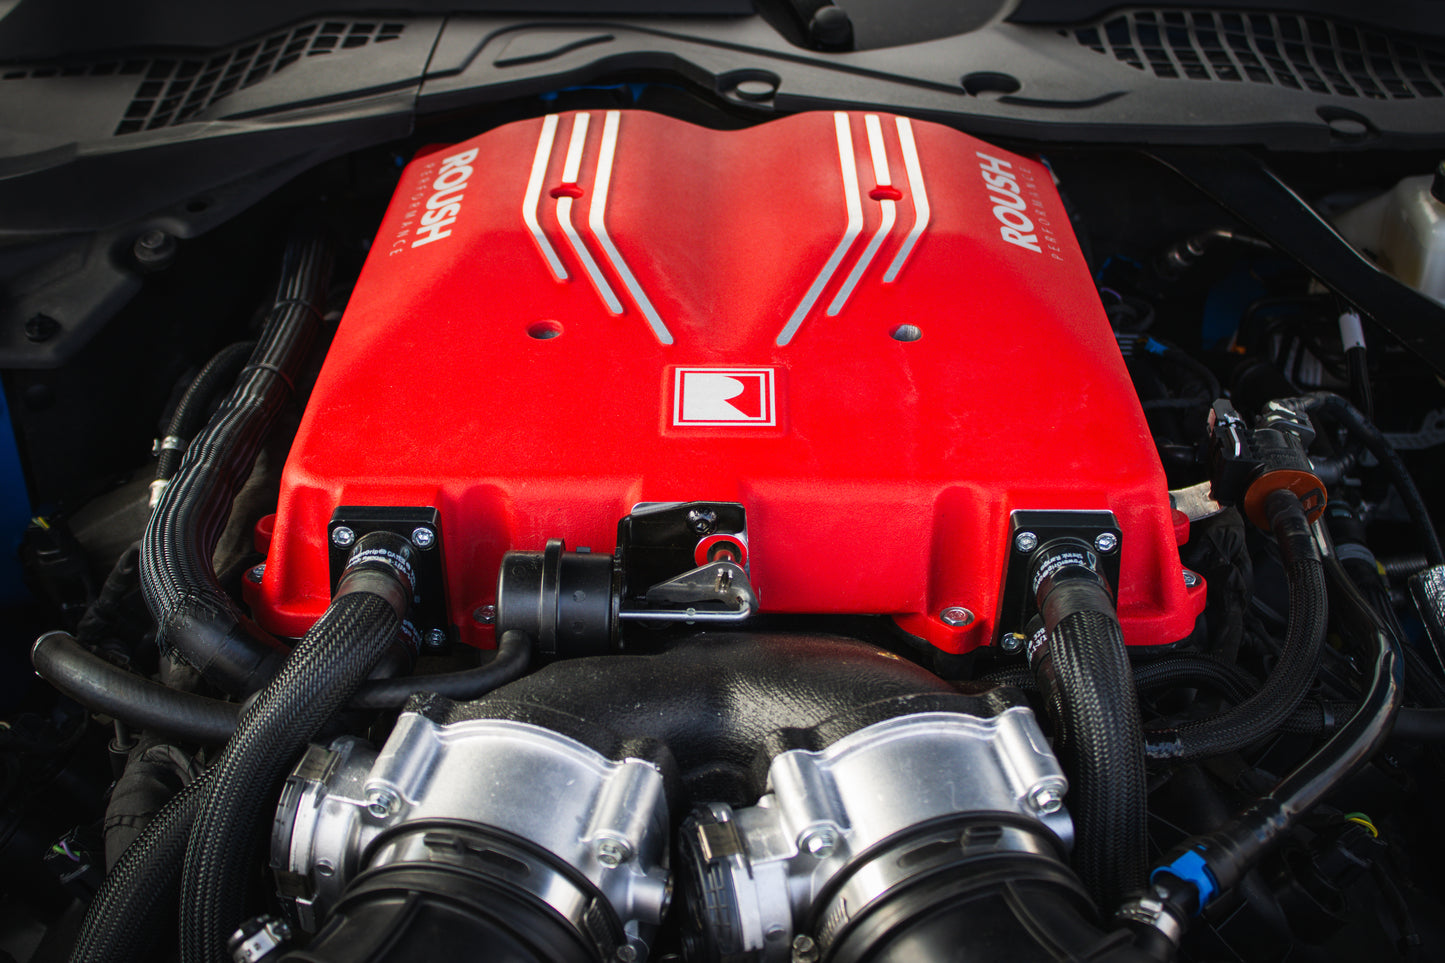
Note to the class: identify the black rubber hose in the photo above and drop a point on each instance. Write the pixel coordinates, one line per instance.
(1355, 422)
(318, 679)
(510, 661)
(1232, 851)
(1084, 674)
(1263, 712)
(107, 688)
(194, 614)
(218, 375)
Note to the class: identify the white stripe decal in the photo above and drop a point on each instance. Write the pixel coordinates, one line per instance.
(597, 221)
(849, 167)
(564, 214)
(920, 197)
(534, 192)
(885, 227)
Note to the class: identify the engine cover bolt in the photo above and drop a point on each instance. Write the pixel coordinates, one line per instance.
(956, 616)
(805, 950)
(1046, 799)
(613, 852)
(821, 842)
(1012, 641)
(485, 615)
(256, 573)
(702, 520)
(1026, 541)
(1190, 579)
(423, 537)
(436, 639)
(1106, 542)
(342, 537)
(381, 802)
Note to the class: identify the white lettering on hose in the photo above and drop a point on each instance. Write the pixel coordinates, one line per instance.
(444, 205)
(1015, 226)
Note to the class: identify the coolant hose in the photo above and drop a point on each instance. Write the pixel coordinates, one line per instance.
(510, 661)
(107, 688)
(1266, 710)
(1083, 672)
(193, 613)
(319, 678)
(218, 375)
(1214, 863)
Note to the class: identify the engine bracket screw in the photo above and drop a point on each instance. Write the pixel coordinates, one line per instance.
(1026, 541)
(613, 852)
(1012, 641)
(423, 537)
(819, 842)
(382, 801)
(1190, 579)
(956, 616)
(702, 520)
(1046, 799)
(342, 537)
(485, 615)
(1106, 542)
(256, 573)
(436, 639)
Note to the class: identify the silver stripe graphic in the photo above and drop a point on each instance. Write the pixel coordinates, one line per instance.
(534, 192)
(597, 221)
(564, 214)
(920, 197)
(885, 227)
(849, 167)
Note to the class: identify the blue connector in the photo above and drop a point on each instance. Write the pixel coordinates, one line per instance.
(1192, 869)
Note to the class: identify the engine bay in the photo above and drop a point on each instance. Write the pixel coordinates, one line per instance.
(609, 523)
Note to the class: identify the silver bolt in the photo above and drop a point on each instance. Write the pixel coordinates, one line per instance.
(342, 537)
(626, 953)
(436, 638)
(256, 573)
(485, 615)
(1190, 579)
(1011, 641)
(1026, 541)
(613, 852)
(1106, 542)
(805, 950)
(381, 801)
(1046, 799)
(820, 842)
(423, 537)
(956, 616)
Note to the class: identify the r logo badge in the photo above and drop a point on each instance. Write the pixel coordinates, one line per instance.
(719, 397)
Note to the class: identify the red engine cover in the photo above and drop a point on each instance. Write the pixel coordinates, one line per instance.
(877, 335)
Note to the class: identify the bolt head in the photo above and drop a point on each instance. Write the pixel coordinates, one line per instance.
(626, 953)
(256, 573)
(381, 802)
(1012, 641)
(702, 520)
(423, 537)
(1190, 579)
(1046, 799)
(485, 615)
(1026, 541)
(613, 852)
(956, 616)
(1106, 542)
(819, 843)
(436, 638)
(342, 537)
